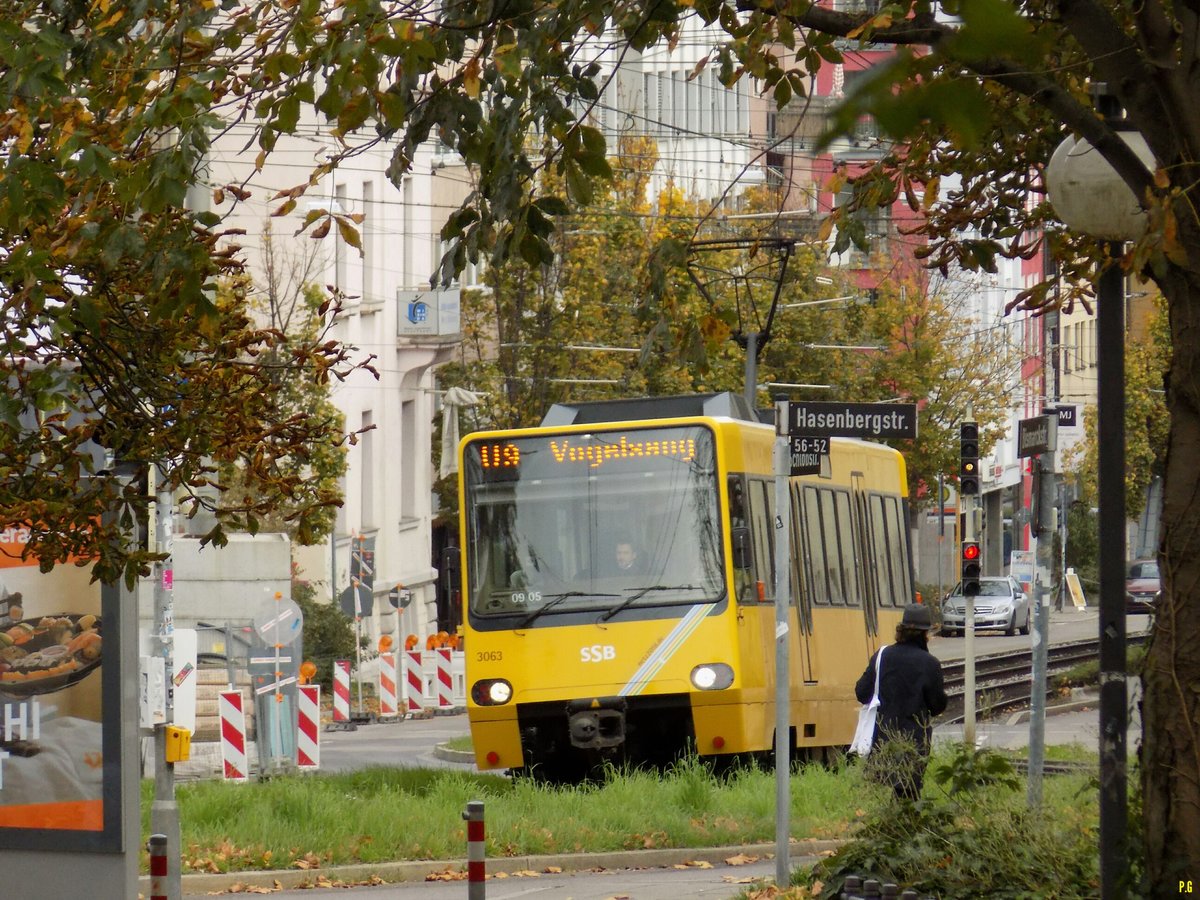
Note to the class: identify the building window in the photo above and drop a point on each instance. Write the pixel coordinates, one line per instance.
(408, 461)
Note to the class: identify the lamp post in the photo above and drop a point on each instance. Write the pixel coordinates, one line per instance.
(1090, 197)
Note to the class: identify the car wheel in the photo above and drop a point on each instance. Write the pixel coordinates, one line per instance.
(1012, 624)
(1025, 627)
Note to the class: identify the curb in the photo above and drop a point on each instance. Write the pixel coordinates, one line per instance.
(801, 851)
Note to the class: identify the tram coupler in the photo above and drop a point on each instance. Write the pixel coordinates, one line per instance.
(596, 724)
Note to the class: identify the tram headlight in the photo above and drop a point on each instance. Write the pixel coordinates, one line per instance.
(712, 676)
(491, 692)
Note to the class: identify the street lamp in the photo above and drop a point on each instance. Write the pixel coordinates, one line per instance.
(1090, 197)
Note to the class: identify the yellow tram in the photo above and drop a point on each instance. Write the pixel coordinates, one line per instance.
(573, 659)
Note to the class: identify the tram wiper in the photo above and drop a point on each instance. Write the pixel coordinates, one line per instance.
(639, 593)
(556, 599)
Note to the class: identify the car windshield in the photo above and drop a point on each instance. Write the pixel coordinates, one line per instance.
(988, 589)
(1143, 570)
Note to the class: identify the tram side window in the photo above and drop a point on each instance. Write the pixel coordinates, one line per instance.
(761, 516)
(814, 539)
(845, 532)
(833, 548)
(800, 567)
(902, 589)
(890, 545)
(881, 563)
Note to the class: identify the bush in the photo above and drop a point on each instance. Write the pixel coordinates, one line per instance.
(971, 835)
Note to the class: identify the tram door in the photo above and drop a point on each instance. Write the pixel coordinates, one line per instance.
(800, 568)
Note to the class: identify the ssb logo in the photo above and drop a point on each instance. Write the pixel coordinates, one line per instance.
(597, 653)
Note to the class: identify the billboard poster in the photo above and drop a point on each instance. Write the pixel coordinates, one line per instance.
(59, 757)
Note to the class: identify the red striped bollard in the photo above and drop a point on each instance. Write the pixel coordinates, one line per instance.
(476, 867)
(445, 680)
(158, 866)
(341, 691)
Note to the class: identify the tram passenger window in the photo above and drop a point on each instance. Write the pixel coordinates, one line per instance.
(845, 530)
(897, 545)
(761, 515)
(814, 539)
(801, 592)
(833, 549)
(881, 564)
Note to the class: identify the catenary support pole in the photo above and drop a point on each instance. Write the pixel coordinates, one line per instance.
(783, 729)
(164, 811)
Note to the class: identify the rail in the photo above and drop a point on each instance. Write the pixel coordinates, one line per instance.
(1003, 681)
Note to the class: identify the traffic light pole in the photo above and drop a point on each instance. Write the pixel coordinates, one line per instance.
(968, 629)
(971, 562)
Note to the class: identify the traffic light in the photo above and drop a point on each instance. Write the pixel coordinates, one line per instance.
(970, 568)
(968, 451)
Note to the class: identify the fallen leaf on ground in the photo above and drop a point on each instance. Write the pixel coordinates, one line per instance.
(694, 864)
(741, 860)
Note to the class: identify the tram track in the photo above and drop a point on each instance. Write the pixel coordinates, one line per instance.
(1004, 681)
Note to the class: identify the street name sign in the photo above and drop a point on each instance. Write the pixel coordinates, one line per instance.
(807, 452)
(855, 420)
(1037, 435)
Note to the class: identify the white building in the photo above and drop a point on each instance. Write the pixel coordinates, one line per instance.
(387, 487)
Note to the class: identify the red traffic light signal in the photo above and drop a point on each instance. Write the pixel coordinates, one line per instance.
(971, 568)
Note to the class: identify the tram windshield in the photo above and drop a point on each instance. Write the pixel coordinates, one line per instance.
(606, 520)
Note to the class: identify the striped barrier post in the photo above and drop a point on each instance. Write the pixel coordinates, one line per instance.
(460, 680)
(308, 733)
(414, 682)
(387, 685)
(233, 736)
(445, 680)
(341, 691)
(158, 866)
(476, 858)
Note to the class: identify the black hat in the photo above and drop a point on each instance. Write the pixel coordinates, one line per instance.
(917, 616)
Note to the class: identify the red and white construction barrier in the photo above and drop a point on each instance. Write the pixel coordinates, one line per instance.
(233, 736)
(387, 685)
(341, 690)
(308, 727)
(445, 679)
(414, 682)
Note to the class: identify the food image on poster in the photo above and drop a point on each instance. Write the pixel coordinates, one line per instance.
(51, 723)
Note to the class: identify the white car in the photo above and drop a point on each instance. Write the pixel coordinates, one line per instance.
(1000, 604)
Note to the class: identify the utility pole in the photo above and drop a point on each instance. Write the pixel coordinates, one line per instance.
(164, 811)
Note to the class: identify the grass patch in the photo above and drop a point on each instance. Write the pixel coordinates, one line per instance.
(462, 744)
(384, 814)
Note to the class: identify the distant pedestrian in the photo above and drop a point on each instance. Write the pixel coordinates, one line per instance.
(911, 693)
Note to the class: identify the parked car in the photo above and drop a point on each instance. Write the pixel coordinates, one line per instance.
(1142, 586)
(1001, 604)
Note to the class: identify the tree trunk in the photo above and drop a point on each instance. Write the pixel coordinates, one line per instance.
(1170, 749)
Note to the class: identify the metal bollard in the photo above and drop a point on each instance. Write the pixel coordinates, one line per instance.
(158, 866)
(476, 867)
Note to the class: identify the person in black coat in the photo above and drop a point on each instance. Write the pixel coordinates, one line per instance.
(911, 693)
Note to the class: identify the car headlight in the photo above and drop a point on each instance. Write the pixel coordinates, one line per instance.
(491, 692)
(712, 676)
